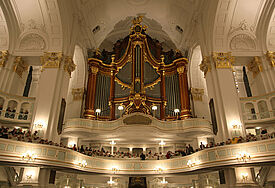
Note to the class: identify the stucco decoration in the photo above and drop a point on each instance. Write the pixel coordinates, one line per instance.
(242, 42)
(255, 66)
(32, 41)
(32, 24)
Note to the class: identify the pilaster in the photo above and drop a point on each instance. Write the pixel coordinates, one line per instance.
(53, 86)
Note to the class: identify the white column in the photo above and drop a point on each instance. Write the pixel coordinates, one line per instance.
(208, 68)
(53, 86)
(5, 72)
(269, 63)
(157, 149)
(35, 80)
(44, 176)
(228, 93)
(18, 76)
(112, 150)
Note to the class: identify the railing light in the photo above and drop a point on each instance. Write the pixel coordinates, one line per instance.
(120, 108)
(29, 156)
(159, 170)
(244, 176)
(243, 156)
(176, 110)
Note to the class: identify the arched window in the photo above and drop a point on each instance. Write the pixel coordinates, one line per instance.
(250, 111)
(11, 109)
(263, 110)
(24, 111)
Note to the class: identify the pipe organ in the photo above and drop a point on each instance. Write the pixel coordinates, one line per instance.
(137, 77)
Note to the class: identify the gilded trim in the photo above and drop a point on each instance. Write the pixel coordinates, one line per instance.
(223, 60)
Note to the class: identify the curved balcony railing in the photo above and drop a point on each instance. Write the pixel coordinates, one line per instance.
(47, 155)
(258, 108)
(16, 109)
(140, 119)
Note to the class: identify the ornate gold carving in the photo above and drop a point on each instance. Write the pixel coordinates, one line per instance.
(197, 93)
(77, 93)
(223, 60)
(152, 85)
(51, 60)
(137, 28)
(205, 65)
(123, 85)
(94, 70)
(181, 69)
(255, 66)
(19, 66)
(69, 65)
(3, 57)
(271, 56)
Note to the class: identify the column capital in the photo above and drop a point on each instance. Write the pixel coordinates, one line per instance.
(3, 57)
(77, 93)
(181, 69)
(255, 66)
(94, 69)
(69, 65)
(205, 65)
(51, 60)
(197, 93)
(19, 66)
(271, 57)
(223, 60)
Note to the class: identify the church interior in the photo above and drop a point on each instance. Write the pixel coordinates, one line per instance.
(137, 93)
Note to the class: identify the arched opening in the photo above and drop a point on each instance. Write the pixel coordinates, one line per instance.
(263, 110)
(11, 109)
(24, 111)
(250, 111)
(197, 85)
(4, 33)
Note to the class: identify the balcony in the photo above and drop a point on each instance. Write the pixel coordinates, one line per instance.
(258, 109)
(25, 153)
(138, 126)
(16, 109)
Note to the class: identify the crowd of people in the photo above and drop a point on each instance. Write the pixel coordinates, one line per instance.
(19, 134)
(10, 113)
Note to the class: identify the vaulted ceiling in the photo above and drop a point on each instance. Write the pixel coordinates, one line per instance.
(31, 27)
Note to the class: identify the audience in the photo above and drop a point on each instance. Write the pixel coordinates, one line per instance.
(26, 136)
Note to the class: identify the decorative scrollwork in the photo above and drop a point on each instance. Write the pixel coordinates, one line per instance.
(223, 60)
(255, 66)
(3, 57)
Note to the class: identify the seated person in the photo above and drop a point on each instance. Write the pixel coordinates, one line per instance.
(26, 115)
(142, 156)
(20, 114)
(12, 114)
(7, 114)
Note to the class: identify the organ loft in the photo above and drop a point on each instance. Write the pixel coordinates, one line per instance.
(138, 76)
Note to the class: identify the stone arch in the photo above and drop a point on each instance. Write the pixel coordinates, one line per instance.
(4, 33)
(75, 94)
(198, 84)
(270, 33)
